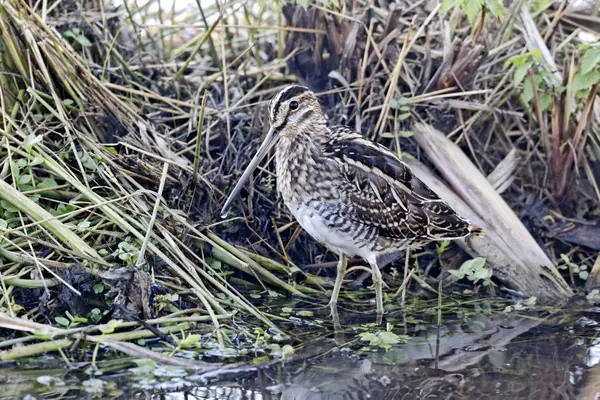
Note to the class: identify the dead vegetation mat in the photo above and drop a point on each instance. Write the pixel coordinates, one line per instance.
(122, 129)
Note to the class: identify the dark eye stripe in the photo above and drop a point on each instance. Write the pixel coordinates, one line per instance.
(293, 91)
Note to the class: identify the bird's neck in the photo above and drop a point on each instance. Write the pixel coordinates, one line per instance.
(306, 140)
(299, 158)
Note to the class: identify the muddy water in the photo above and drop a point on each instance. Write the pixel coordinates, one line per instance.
(479, 351)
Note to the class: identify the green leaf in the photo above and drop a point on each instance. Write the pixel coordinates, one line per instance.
(305, 313)
(395, 357)
(368, 337)
(190, 341)
(24, 179)
(399, 103)
(8, 207)
(88, 162)
(536, 54)
(527, 90)
(286, 310)
(76, 35)
(83, 225)
(287, 351)
(388, 337)
(449, 4)
(594, 296)
(31, 140)
(584, 275)
(303, 3)
(545, 101)
(98, 288)
(521, 72)
(37, 160)
(47, 183)
(517, 61)
(590, 59)
(80, 319)
(21, 162)
(472, 8)
(586, 81)
(474, 263)
(403, 116)
(457, 273)
(539, 5)
(531, 301)
(405, 134)
(110, 326)
(62, 321)
(495, 7)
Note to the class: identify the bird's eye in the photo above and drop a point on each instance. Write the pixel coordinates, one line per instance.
(293, 105)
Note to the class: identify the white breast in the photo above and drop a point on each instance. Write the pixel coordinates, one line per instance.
(317, 227)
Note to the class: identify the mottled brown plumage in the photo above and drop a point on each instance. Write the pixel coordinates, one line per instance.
(351, 194)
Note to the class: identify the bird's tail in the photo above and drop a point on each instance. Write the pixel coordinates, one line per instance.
(476, 231)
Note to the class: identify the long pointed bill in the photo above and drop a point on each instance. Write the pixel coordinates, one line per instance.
(266, 145)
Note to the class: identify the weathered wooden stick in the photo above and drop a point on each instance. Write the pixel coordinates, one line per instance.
(516, 258)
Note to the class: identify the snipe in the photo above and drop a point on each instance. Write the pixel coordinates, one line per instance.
(349, 193)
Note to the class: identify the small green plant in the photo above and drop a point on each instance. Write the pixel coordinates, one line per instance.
(286, 311)
(473, 7)
(269, 183)
(588, 74)
(383, 339)
(78, 37)
(95, 315)
(71, 321)
(110, 326)
(222, 269)
(285, 352)
(127, 252)
(521, 305)
(261, 338)
(539, 5)
(523, 63)
(576, 270)
(441, 247)
(593, 297)
(166, 301)
(16, 308)
(475, 271)
(98, 288)
(187, 342)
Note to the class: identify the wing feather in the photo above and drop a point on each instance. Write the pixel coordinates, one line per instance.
(381, 191)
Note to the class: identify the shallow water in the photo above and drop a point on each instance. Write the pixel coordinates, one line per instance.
(479, 351)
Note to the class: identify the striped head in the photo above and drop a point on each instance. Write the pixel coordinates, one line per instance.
(292, 111)
(293, 108)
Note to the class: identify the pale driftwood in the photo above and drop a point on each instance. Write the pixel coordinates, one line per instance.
(504, 174)
(516, 258)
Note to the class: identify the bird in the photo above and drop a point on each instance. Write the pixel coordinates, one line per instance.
(348, 192)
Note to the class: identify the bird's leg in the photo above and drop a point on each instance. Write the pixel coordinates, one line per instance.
(378, 283)
(341, 272)
(337, 327)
